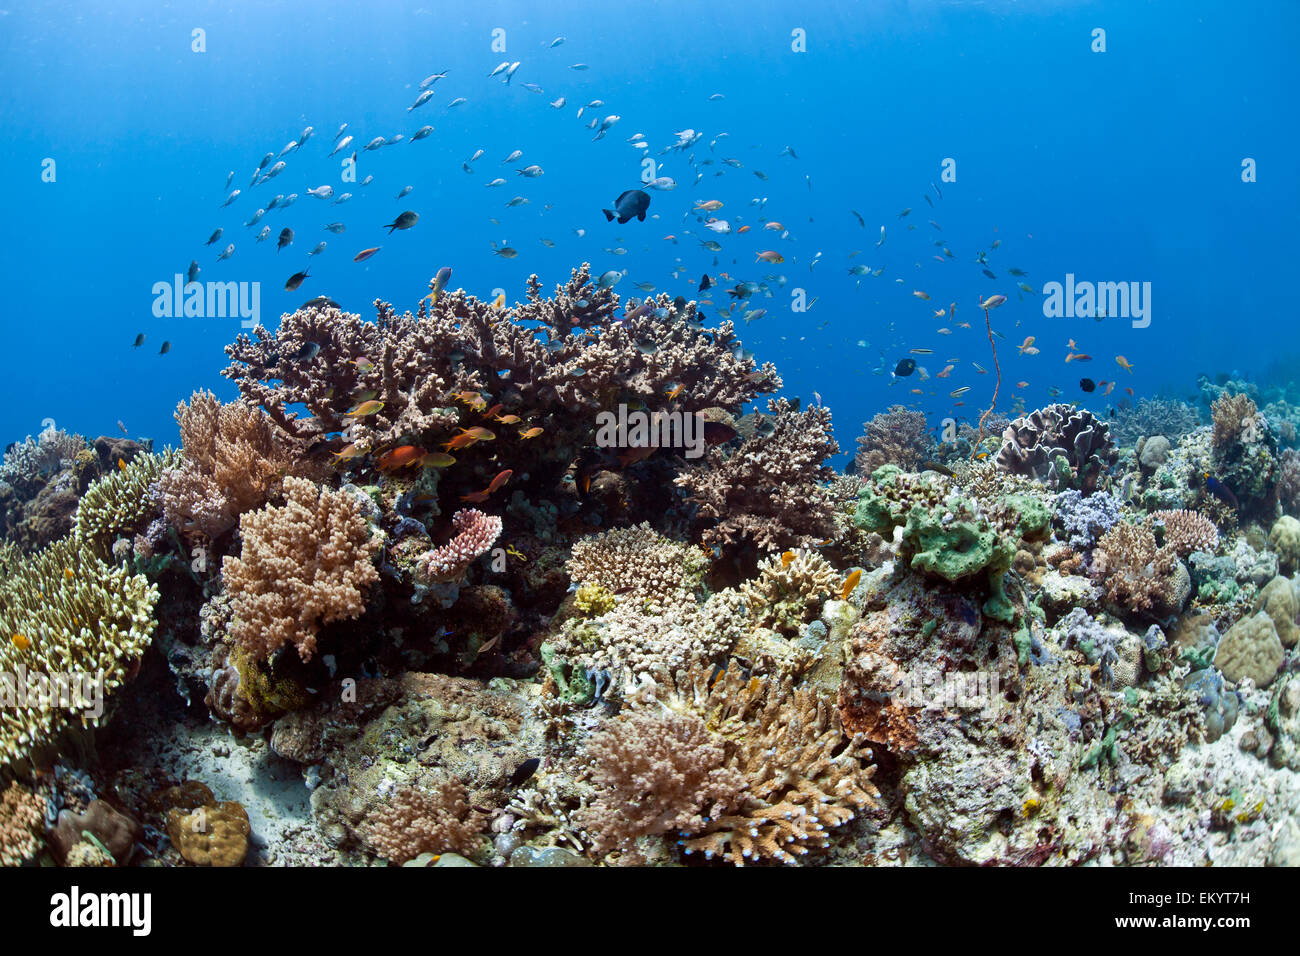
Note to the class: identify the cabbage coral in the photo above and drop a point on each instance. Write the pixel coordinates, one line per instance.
(303, 564)
(66, 613)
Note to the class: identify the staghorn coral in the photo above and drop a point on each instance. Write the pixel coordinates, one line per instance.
(303, 564)
(655, 773)
(896, 437)
(1138, 576)
(1061, 445)
(232, 463)
(411, 821)
(66, 614)
(789, 590)
(320, 358)
(803, 779)
(770, 492)
(1187, 531)
(22, 821)
(1153, 416)
(476, 532)
(119, 504)
(641, 566)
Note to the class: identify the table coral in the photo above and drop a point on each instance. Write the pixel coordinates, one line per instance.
(303, 564)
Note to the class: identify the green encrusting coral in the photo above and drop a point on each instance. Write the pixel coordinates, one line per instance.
(66, 615)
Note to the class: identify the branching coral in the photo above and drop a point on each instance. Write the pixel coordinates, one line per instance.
(1235, 419)
(119, 504)
(656, 773)
(411, 821)
(1137, 575)
(1153, 416)
(1187, 531)
(769, 492)
(233, 462)
(30, 463)
(896, 437)
(640, 566)
(789, 590)
(415, 364)
(66, 615)
(1084, 518)
(303, 564)
(476, 532)
(22, 821)
(1061, 445)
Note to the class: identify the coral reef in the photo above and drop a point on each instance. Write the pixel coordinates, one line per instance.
(896, 437)
(303, 564)
(1065, 446)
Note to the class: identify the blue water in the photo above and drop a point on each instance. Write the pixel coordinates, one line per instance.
(1115, 166)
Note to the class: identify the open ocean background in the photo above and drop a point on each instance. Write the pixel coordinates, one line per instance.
(1121, 166)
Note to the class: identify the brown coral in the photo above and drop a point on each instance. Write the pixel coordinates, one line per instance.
(303, 564)
(1232, 416)
(1187, 531)
(656, 774)
(214, 834)
(770, 492)
(639, 565)
(234, 462)
(896, 437)
(22, 819)
(1137, 575)
(413, 821)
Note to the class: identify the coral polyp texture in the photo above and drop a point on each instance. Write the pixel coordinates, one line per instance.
(408, 563)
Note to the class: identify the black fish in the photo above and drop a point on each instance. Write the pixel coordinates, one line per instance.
(308, 351)
(139, 341)
(989, 274)
(286, 237)
(295, 280)
(524, 771)
(705, 283)
(320, 302)
(405, 221)
(193, 272)
(937, 467)
(166, 347)
(679, 303)
(632, 203)
(1087, 384)
(717, 433)
(905, 367)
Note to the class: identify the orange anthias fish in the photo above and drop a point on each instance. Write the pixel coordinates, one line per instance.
(1028, 343)
(364, 409)
(355, 450)
(365, 254)
(1124, 363)
(508, 419)
(532, 432)
(467, 437)
(436, 459)
(774, 226)
(743, 229)
(493, 485)
(493, 411)
(676, 390)
(708, 205)
(850, 583)
(400, 457)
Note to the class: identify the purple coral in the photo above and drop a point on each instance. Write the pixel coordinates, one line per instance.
(1084, 518)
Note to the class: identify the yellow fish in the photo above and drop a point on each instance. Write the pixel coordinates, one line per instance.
(1026, 344)
(850, 583)
(67, 573)
(364, 409)
(121, 465)
(1124, 363)
(499, 302)
(21, 642)
(787, 559)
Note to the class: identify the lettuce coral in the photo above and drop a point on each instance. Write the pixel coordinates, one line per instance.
(303, 564)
